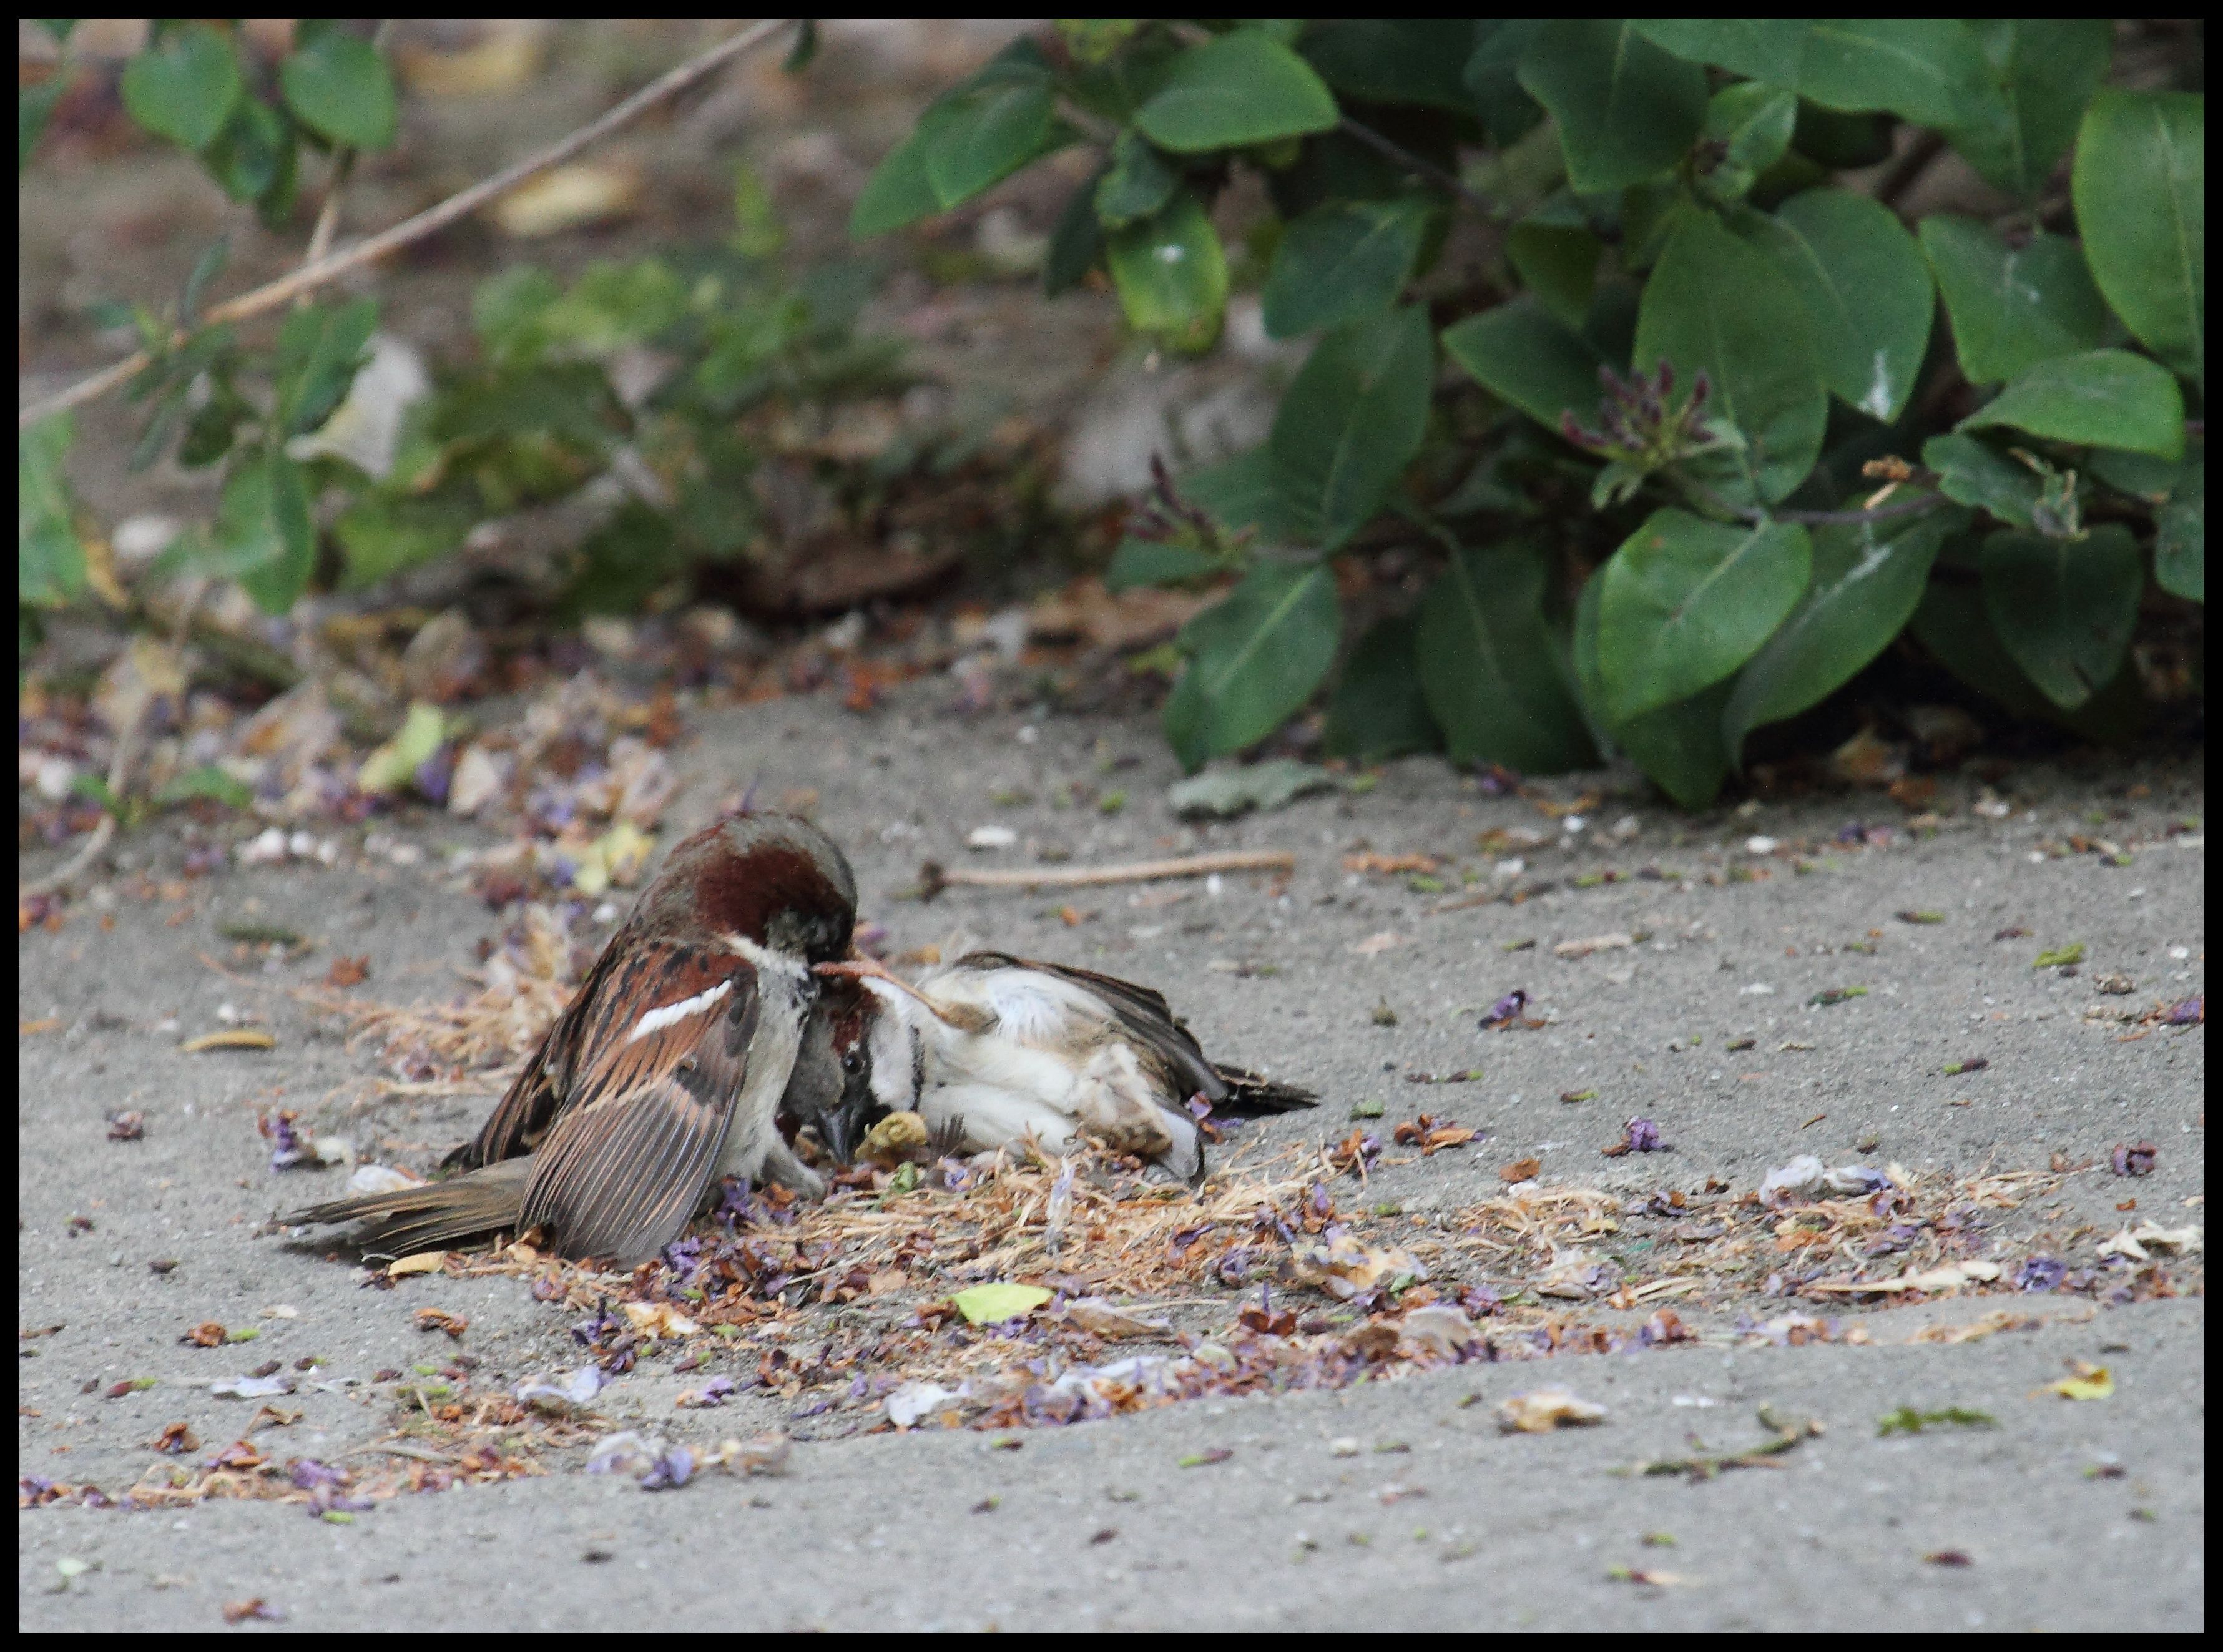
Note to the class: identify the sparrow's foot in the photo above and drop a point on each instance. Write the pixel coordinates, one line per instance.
(874, 969)
(785, 1168)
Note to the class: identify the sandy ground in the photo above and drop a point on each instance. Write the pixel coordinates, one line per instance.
(1388, 1504)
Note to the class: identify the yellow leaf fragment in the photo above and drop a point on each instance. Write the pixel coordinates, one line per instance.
(2089, 1383)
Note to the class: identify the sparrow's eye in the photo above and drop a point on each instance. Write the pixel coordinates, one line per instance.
(852, 1062)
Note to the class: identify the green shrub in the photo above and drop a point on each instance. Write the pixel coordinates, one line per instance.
(1789, 465)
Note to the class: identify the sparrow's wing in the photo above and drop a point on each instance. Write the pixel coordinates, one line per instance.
(534, 1098)
(1248, 1092)
(654, 1082)
(1142, 1010)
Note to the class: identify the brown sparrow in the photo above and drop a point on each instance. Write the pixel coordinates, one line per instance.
(668, 1069)
(993, 1049)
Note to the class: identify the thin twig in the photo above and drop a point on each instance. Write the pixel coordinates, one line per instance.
(458, 206)
(933, 878)
(401, 1448)
(1418, 166)
(1899, 175)
(328, 215)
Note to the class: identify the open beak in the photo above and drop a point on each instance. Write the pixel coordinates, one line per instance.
(843, 1126)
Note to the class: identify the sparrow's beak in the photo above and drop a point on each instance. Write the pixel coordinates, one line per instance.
(843, 1126)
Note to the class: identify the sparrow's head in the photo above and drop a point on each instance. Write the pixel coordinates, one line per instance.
(894, 1044)
(831, 1086)
(775, 879)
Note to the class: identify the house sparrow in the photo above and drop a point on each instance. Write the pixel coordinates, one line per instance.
(668, 1070)
(991, 1049)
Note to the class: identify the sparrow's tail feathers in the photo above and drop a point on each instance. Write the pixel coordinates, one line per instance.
(432, 1217)
(1249, 1093)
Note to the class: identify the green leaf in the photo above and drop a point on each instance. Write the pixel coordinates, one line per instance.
(1954, 625)
(1685, 602)
(1771, 49)
(1231, 790)
(1246, 492)
(1493, 673)
(1626, 110)
(1076, 241)
(338, 86)
(614, 306)
(1748, 126)
(899, 192)
(2011, 307)
(2139, 186)
(98, 793)
(2044, 71)
(1393, 60)
(2108, 398)
(506, 312)
(206, 268)
(1869, 579)
(2065, 608)
(2181, 539)
(319, 350)
(1865, 287)
(1492, 77)
(1929, 70)
(394, 764)
(1353, 419)
(1138, 182)
(382, 534)
(1558, 262)
(1341, 262)
(207, 781)
(1971, 472)
(628, 560)
(1716, 305)
(1525, 356)
(993, 1304)
(1237, 89)
(262, 533)
(1255, 659)
(1171, 274)
(183, 87)
(1679, 746)
(1149, 562)
(988, 136)
(50, 569)
(1754, 123)
(1379, 709)
(1125, 75)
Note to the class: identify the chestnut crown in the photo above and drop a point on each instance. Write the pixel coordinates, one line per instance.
(774, 878)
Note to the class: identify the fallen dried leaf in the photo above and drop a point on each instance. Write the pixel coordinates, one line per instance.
(1546, 1410)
